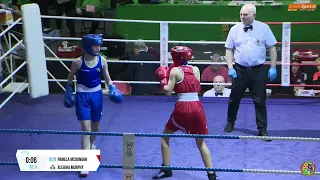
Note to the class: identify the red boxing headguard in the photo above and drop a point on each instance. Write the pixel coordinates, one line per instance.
(181, 54)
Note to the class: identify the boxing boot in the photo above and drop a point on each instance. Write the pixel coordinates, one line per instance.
(83, 174)
(163, 174)
(212, 176)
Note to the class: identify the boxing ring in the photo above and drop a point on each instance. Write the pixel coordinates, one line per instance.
(44, 123)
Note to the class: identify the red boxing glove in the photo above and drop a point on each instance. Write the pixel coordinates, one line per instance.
(162, 75)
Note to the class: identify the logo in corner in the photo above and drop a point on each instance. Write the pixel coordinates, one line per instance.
(308, 168)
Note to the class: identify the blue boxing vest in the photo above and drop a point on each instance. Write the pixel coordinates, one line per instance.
(90, 77)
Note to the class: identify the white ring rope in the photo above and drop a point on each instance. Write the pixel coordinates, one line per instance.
(275, 171)
(13, 93)
(157, 62)
(10, 27)
(139, 82)
(136, 62)
(133, 41)
(10, 50)
(150, 82)
(12, 74)
(145, 62)
(137, 21)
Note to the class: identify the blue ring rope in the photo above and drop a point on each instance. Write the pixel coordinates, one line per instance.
(113, 166)
(156, 135)
(115, 133)
(191, 169)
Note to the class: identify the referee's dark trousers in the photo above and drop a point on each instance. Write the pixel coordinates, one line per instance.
(254, 78)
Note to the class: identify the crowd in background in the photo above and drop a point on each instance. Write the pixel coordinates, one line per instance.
(141, 52)
(214, 73)
(71, 8)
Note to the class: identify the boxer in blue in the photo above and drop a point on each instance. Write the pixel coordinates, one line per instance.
(89, 97)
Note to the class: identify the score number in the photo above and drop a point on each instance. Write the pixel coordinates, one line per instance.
(31, 159)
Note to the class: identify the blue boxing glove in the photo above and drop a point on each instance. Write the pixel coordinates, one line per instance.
(272, 74)
(232, 73)
(114, 94)
(69, 99)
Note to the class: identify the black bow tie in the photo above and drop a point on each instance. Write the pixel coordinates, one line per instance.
(217, 94)
(247, 27)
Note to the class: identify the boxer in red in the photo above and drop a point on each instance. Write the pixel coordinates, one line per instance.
(188, 115)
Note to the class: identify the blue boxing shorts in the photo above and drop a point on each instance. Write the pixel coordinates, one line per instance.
(89, 105)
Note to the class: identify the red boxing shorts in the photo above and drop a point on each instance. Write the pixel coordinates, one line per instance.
(188, 117)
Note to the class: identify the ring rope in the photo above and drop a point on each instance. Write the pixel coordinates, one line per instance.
(190, 168)
(10, 27)
(158, 41)
(138, 82)
(110, 40)
(223, 84)
(207, 84)
(170, 62)
(157, 135)
(170, 22)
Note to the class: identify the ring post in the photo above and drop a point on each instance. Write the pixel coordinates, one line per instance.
(128, 156)
(164, 35)
(35, 54)
(285, 54)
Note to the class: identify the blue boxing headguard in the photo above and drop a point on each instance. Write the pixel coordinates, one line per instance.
(90, 40)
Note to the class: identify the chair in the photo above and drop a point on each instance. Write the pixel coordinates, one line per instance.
(103, 28)
(84, 29)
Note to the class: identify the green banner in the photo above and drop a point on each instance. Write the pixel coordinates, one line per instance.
(213, 13)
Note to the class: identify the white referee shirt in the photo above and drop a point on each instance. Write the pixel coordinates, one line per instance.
(250, 47)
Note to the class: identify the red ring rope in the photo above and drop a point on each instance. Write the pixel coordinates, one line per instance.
(301, 43)
(294, 64)
(277, 23)
(303, 23)
(292, 85)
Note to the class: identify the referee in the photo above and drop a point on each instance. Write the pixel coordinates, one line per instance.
(247, 43)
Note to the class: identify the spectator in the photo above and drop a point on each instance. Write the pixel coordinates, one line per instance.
(154, 52)
(151, 50)
(297, 76)
(214, 70)
(218, 90)
(68, 7)
(12, 4)
(15, 12)
(316, 79)
(127, 55)
(91, 9)
(44, 10)
(141, 71)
